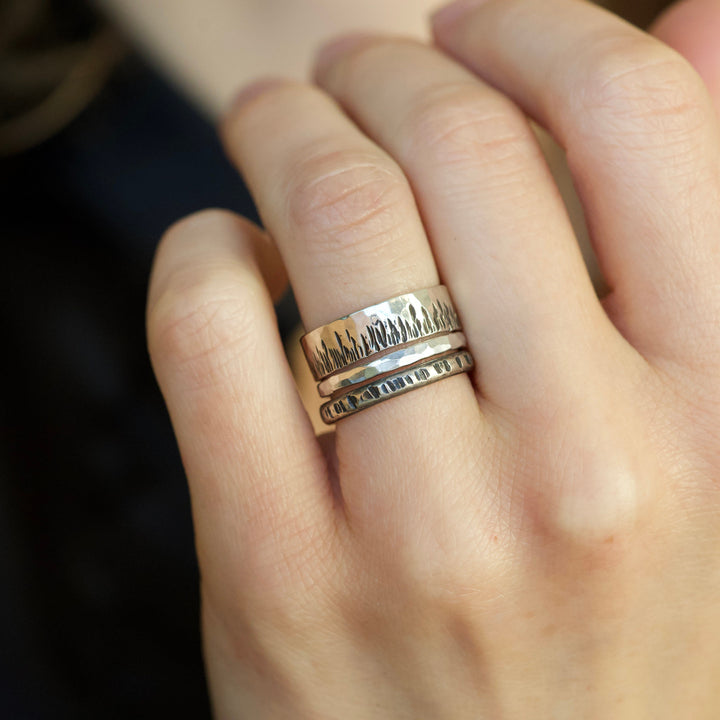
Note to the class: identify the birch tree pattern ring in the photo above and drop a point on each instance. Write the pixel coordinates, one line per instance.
(379, 328)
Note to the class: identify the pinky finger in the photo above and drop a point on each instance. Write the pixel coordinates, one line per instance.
(256, 473)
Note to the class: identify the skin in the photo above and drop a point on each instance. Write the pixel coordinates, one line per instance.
(541, 538)
(210, 48)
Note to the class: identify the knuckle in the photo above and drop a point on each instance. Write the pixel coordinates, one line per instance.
(285, 580)
(200, 307)
(371, 52)
(215, 221)
(347, 198)
(455, 124)
(261, 616)
(246, 112)
(645, 89)
(200, 320)
(593, 489)
(300, 570)
(598, 499)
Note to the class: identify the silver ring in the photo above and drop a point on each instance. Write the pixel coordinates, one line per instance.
(392, 362)
(424, 373)
(378, 328)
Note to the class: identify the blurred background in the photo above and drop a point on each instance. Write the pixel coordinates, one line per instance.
(106, 138)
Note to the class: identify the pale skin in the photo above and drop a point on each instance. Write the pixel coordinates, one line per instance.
(212, 47)
(540, 539)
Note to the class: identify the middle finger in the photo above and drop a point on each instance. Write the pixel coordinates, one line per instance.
(498, 227)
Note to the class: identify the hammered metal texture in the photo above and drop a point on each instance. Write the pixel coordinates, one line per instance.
(378, 328)
(392, 362)
(418, 376)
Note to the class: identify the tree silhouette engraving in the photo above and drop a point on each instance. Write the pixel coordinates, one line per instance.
(382, 334)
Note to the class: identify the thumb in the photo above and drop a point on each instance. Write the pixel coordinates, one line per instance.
(692, 27)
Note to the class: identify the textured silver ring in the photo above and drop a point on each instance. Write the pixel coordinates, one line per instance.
(393, 361)
(378, 328)
(424, 373)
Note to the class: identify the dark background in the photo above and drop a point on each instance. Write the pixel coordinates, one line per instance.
(98, 579)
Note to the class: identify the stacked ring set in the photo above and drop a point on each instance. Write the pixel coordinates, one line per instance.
(386, 350)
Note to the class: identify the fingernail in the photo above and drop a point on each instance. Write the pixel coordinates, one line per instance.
(332, 51)
(253, 90)
(454, 12)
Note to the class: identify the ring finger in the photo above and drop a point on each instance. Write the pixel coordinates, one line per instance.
(346, 223)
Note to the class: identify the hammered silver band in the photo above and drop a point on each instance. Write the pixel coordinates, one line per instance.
(378, 328)
(424, 373)
(386, 350)
(392, 362)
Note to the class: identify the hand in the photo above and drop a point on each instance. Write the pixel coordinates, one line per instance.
(539, 540)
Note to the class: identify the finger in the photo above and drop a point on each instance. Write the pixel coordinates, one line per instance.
(345, 220)
(256, 474)
(642, 142)
(692, 28)
(500, 233)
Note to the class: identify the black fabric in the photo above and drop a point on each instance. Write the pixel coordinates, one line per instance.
(98, 596)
